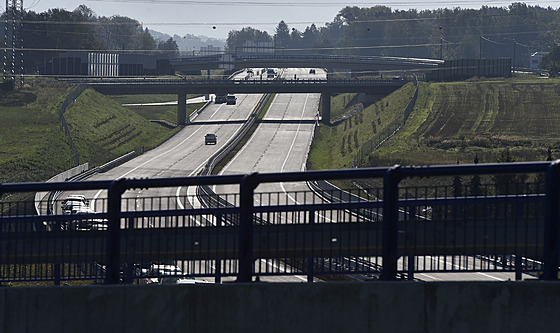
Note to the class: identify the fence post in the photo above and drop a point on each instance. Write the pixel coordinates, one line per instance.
(246, 193)
(551, 229)
(218, 277)
(56, 274)
(390, 220)
(116, 189)
(310, 260)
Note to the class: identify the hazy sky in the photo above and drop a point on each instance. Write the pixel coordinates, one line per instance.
(215, 18)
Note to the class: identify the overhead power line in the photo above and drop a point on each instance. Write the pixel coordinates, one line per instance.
(411, 4)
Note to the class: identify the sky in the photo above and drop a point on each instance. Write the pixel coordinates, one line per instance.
(215, 18)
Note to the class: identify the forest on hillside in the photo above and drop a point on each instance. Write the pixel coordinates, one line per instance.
(513, 32)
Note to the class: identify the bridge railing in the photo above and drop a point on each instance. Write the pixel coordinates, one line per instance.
(400, 222)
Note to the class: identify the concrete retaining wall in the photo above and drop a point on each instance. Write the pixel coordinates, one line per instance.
(279, 307)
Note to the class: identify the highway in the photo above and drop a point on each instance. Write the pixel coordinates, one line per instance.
(280, 143)
(180, 156)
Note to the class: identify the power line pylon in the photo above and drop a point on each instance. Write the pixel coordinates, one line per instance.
(13, 41)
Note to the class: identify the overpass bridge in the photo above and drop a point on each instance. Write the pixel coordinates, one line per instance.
(182, 87)
(238, 61)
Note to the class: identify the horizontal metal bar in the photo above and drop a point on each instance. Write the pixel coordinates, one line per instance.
(274, 241)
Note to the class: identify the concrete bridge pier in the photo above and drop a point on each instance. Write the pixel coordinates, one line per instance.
(181, 109)
(326, 108)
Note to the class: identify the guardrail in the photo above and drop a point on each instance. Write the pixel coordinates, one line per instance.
(409, 220)
(214, 82)
(240, 58)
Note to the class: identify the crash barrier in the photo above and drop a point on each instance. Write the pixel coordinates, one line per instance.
(241, 133)
(63, 176)
(117, 161)
(408, 221)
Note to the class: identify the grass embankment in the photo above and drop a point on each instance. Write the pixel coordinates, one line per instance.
(34, 147)
(102, 129)
(454, 122)
(335, 146)
(32, 144)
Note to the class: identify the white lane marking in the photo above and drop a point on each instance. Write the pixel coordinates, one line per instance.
(490, 276)
(429, 276)
(152, 159)
(273, 264)
(291, 148)
(285, 160)
(464, 268)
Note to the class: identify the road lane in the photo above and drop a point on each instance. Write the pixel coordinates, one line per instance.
(182, 155)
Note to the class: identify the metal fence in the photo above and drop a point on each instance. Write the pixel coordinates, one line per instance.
(75, 93)
(388, 131)
(397, 223)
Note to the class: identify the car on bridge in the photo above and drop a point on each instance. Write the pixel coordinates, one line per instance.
(231, 100)
(270, 73)
(220, 98)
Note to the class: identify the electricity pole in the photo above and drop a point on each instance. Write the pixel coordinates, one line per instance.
(13, 39)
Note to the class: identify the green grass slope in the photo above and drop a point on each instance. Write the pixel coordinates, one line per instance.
(335, 146)
(102, 129)
(32, 144)
(454, 122)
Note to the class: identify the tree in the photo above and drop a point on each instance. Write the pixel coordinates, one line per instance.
(282, 35)
(57, 29)
(310, 37)
(169, 47)
(119, 32)
(551, 62)
(296, 40)
(509, 183)
(457, 186)
(237, 38)
(475, 184)
(145, 41)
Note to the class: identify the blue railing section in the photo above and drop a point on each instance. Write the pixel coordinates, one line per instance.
(401, 223)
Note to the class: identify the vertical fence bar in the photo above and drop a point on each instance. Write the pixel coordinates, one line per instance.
(551, 223)
(518, 268)
(116, 189)
(218, 276)
(311, 259)
(246, 192)
(390, 219)
(56, 274)
(130, 269)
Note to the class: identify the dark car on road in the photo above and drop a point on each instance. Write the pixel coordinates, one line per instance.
(210, 139)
